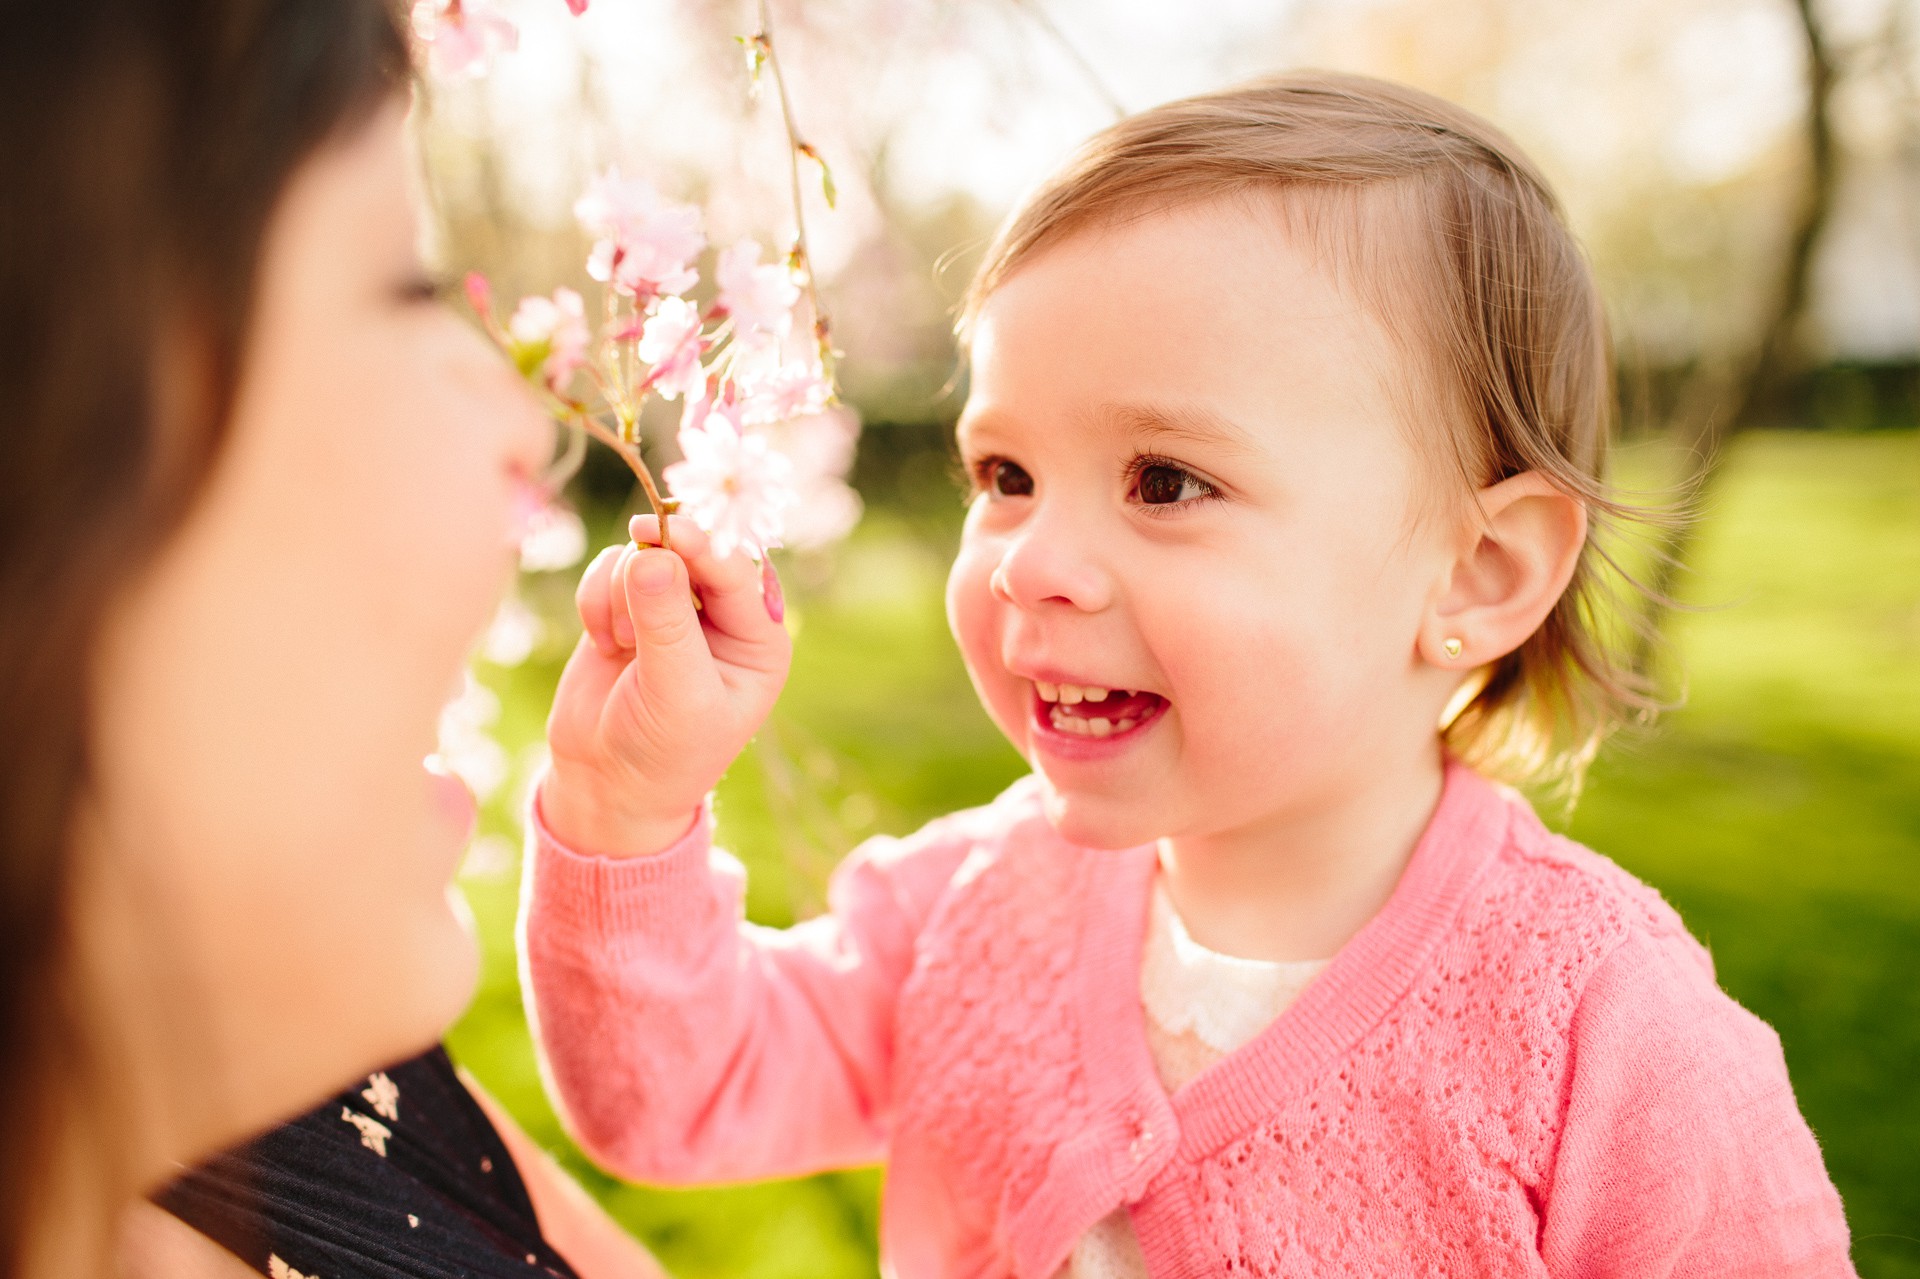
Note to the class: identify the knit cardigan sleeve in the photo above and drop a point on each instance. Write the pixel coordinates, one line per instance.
(1682, 1151)
(685, 1045)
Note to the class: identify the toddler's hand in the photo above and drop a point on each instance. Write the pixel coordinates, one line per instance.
(658, 698)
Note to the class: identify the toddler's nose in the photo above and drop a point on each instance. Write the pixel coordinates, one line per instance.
(1048, 563)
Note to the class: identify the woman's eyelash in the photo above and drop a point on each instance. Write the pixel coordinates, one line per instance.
(425, 288)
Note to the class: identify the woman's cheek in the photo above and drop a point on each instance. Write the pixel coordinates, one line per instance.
(449, 553)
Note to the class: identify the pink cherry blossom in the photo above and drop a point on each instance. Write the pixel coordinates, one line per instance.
(466, 749)
(644, 246)
(670, 344)
(513, 634)
(759, 298)
(462, 36)
(577, 6)
(779, 392)
(551, 334)
(730, 482)
(555, 538)
(820, 446)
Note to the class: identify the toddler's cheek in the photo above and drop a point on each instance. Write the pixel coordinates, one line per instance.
(974, 618)
(1239, 715)
(1000, 695)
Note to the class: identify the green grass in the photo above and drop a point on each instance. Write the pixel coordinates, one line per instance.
(1779, 811)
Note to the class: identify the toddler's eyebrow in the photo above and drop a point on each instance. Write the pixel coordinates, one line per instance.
(1181, 423)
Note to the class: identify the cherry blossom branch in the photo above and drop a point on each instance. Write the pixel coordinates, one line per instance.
(742, 391)
(577, 415)
(567, 465)
(1052, 31)
(796, 148)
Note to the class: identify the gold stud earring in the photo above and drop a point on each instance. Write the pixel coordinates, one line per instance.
(1452, 647)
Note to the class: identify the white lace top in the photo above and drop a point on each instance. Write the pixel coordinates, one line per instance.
(1200, 1005)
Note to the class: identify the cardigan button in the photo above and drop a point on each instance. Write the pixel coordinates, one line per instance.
(1142, 1140)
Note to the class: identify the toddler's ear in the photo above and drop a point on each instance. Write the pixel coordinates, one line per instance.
(1521, 544)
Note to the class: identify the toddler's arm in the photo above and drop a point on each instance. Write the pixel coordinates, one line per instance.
(683, 1044)
(1683, 1152)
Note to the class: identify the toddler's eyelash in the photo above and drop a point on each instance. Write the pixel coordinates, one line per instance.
(1209, 491)
(974, 474)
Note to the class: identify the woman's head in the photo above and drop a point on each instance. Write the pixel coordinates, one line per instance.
(257, 498)
(1361, 307)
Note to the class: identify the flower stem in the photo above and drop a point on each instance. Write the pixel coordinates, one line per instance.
(796, 147)
(578, 416)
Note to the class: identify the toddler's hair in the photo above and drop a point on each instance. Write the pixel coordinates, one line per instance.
(1460, 249)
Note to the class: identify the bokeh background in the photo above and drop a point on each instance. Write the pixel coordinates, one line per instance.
(1746, 177)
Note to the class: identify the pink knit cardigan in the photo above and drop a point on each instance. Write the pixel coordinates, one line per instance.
(1521, 1066)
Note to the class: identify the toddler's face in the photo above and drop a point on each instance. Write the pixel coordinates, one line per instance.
(1192, 577)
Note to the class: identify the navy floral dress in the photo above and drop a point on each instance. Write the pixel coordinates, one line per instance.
(401, 1176)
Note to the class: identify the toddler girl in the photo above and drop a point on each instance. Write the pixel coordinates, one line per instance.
(1287, 422)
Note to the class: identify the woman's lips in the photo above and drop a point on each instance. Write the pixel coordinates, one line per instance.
(528, 501)
(452, 800)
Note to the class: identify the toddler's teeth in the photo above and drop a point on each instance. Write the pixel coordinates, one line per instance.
(1099, 727)
(1048, 692)
(1094, 694)
(1125, 724)
(1070, 694)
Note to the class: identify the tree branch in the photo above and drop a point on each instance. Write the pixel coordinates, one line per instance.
(1042, 19)
(796, 147)
(1759, 383)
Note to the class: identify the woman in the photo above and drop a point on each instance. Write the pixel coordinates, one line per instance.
(258, 491)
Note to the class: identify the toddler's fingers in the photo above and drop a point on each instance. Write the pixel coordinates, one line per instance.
(730, 587)
(620, 610)
(594, 600)
(693, 545)
(674, 662)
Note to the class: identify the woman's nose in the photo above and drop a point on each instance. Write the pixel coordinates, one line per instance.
(523, 431)
(1051, 561)
(532, 435)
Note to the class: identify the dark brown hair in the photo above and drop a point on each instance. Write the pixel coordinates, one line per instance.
(1435, 215)
(143, 147)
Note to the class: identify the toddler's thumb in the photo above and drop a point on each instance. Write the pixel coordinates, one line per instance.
(671, 647)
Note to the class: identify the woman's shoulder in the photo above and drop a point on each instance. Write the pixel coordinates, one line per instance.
(399, 1167)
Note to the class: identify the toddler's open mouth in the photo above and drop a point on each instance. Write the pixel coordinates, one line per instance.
(1084, 711)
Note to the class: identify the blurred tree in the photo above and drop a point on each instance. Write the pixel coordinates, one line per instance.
(1731, 398)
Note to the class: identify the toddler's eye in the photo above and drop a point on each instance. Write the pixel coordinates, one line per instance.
(1160, 484)
(1008, 479)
